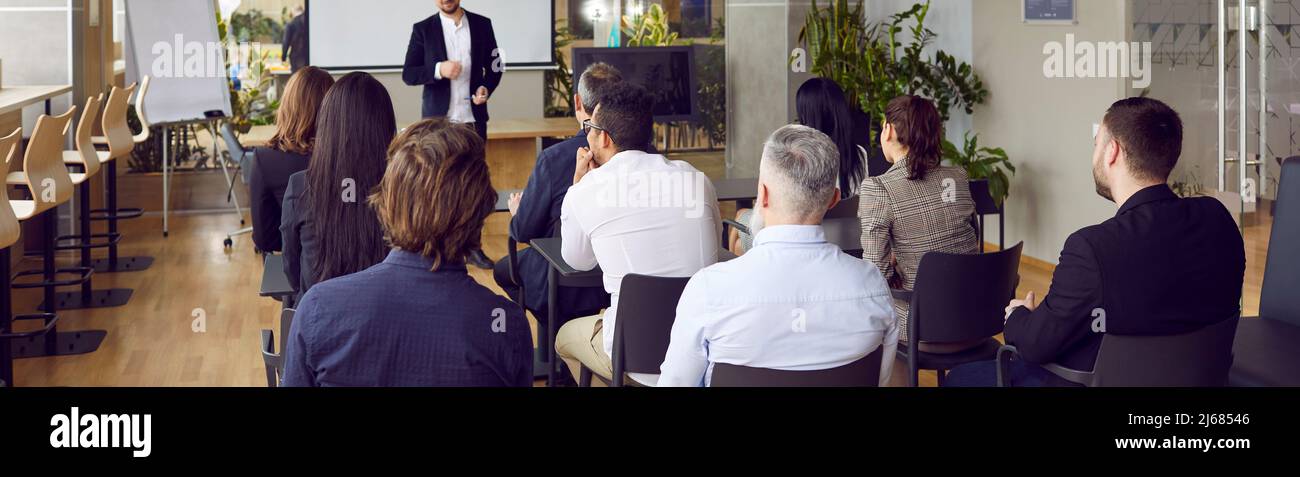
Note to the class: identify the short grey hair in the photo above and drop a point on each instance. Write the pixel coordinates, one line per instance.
(806, 165)
(593, 83)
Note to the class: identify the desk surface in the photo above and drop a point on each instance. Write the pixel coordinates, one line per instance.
(274, 283)
(531, 128)
(14, 98)
(736, 189)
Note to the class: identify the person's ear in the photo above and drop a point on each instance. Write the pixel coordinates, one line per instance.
(764, 195)
(577, 104)
(835, 200)
(1113, 152)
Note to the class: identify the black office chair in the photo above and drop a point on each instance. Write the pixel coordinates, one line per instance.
(985, 205)
(863, 373)
(647, 307)
(958, 298)
(242, 158)
(275, 360)
(1200, 358)
(544, 341)
(1268, 347)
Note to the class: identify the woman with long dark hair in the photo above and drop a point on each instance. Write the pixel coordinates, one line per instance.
(821, 105)
(328, 229)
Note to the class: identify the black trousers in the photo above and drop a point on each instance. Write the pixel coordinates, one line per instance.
(481, 128)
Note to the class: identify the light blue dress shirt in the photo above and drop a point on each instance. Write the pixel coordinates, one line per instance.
(793, 302)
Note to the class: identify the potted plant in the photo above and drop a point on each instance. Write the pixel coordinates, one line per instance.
(989, 168)
(873, 66)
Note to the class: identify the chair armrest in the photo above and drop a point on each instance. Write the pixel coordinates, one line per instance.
(1072, 375)
(1006, 352)
(512, 251)
(737, 225)
(903, 295)
(274, 362)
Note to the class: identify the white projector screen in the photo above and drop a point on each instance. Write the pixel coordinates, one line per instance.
(373, 35)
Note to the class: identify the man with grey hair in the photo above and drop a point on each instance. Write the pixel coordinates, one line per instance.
(535, 212)
(794, 301)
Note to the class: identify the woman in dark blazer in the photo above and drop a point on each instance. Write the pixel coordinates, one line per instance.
(329, 230)
(288, 152)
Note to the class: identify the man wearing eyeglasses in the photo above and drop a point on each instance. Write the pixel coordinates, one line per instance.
(535, 212)
(629, 211)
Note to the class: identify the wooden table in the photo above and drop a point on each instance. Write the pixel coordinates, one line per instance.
(513, 145)
(14, 98)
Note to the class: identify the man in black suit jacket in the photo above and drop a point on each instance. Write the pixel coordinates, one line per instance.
(452, 80)
(1163, 265)
(294, 47)
(535, 213)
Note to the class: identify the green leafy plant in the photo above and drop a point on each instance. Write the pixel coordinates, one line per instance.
(649, 29)
(989, 163)
(873, 67)
(559, 82)
(712, 77)
(255, 26)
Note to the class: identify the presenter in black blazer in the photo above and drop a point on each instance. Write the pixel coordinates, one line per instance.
(454, 55)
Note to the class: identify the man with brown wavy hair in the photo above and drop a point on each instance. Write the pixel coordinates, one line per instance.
(417, 318)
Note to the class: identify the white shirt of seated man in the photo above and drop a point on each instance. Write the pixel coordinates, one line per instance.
(635, 212)
(794, 301)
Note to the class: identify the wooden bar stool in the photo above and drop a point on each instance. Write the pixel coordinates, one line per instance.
(10, 231)
(87, 159)
(119, 141)
(47, 181)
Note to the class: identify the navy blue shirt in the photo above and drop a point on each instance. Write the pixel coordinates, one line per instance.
(539, 217)
(400, 324)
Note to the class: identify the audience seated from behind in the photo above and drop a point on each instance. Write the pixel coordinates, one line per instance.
(1163, 265)
(794, 301)
(821, 105)
(417, 318)
(355, 127)
(629, 211)
(535, 213)
(917, 206)
(287, 153)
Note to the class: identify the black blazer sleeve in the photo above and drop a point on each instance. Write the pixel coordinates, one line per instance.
(291, 230)
(495, 63)
(533, 219)
(265, 209)
(419, 67)
(286, 43)
(1064, 318)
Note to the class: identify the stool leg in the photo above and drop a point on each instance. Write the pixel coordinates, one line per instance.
(83, 202)
(110, 188)
(51, 223)
(6, 323)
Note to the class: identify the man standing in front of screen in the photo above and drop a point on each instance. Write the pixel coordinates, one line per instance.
(454, 55)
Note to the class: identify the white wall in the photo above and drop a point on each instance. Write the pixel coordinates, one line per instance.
(951, 22)
(1044, 124)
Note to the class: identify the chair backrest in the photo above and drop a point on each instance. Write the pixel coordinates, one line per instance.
(842, 226)
(9, 149)
(116, 129)
(47, 176)
(647, 307)
(85, 129)
(1278, 298)
(143, 135)
(237, 151)
(962, 297)
(863, 373)
(1201, 358)
(10, 230)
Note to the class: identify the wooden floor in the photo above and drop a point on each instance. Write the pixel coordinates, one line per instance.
(150, 341)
